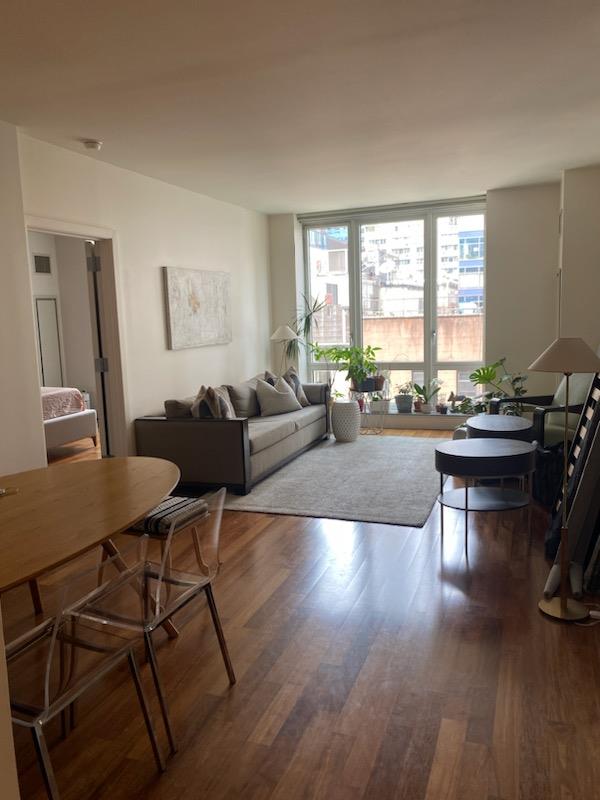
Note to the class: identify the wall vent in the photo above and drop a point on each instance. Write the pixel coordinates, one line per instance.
(42, 265)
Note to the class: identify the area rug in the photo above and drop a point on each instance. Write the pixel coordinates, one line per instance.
(389, 479)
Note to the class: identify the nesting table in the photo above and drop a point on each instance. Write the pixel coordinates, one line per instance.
(499, 426)
(480, 458)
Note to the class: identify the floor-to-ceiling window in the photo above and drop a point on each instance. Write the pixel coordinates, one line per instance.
(410, 281)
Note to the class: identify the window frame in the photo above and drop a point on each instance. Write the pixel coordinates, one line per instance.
(430, 213)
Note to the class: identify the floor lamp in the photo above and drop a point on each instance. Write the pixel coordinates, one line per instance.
(567, 356)
(284, 334)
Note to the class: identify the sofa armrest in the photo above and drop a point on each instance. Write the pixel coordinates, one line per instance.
(316, 393)
(207, 451)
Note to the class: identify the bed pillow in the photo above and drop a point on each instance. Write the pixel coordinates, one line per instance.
(278, 399)
(216, 400)
(291, 377)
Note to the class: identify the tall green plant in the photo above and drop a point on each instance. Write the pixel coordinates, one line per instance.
(302, 325)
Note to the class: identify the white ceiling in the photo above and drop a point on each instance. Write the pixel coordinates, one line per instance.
(285, 106)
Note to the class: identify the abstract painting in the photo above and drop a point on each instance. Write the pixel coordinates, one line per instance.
(198, 307)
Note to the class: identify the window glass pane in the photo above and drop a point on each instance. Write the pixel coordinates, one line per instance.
(392, 276)
(398, 377)
(328, 266)
(339, 384)
(460, 287)
(457, 381)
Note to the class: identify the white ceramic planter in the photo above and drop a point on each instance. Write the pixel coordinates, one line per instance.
(345, 420)
(426, 408)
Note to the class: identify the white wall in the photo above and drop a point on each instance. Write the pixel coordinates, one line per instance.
(580, 254)
(21, 432)
(43, 285)
(286, 276)
(156, 224)
(76, 318)
(521, 277)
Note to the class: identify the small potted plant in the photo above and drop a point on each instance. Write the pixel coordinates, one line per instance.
(425, 394)
(379, 404)
(404, 398)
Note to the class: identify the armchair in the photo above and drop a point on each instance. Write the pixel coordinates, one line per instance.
(548, 410)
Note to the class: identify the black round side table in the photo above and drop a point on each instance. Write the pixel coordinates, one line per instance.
(475, 459)
(499, 426)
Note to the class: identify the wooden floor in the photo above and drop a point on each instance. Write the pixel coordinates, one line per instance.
(373, 662)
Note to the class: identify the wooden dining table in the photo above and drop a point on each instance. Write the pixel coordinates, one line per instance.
(50, 516)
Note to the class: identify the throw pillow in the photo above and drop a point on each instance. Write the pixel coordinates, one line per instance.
(270, 378)
(291, 377)
(178, 409)
(216, 400)
(278, 399)
(243, 398)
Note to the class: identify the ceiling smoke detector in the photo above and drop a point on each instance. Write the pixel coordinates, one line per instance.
(92, 144)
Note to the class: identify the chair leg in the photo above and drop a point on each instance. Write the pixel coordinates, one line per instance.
(135, 674)
(219, 631)
(44, 762)
(151, 655)
(36, 599)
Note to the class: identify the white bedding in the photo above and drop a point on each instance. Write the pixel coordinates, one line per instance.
(57, 401)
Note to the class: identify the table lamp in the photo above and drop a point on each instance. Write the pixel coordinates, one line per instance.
(284, 334)
(566, 355)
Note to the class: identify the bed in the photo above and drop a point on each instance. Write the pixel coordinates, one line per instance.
(66, 418)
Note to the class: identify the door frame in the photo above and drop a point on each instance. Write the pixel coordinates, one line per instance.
(110, 302)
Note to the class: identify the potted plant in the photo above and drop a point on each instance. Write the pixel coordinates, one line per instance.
(404, 398)
(379, 404)
(488, 376)
(426, 393)
(357, 362)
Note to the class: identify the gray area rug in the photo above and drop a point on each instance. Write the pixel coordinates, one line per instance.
(388, 479)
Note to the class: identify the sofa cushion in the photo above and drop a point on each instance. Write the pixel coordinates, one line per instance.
(178, 510)
(306, 416)
(266, 431)
(243, 398)
(278, 399)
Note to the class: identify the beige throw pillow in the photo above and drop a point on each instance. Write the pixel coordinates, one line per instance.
(216, 400)
(278, 399)
(243, 398)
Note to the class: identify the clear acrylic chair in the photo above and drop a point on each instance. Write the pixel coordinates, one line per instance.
(52, 665)
(188, 563)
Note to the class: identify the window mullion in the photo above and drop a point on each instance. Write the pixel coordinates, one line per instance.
(354, 268)
(428, 301)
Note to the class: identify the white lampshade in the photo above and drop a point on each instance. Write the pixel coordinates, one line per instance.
(567, 355)
(284, 334)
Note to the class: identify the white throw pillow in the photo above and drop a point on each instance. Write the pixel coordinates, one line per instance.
(278, 399)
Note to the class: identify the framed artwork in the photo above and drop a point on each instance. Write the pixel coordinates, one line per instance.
(198, 307)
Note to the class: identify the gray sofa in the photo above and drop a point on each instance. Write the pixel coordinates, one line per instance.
(236, 453)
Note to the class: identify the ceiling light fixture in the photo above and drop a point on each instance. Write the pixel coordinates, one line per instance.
(92, 144)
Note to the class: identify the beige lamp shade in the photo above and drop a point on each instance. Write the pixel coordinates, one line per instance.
(284, 334)
(567, 355)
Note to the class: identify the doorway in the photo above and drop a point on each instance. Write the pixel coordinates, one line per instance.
(75, 298)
